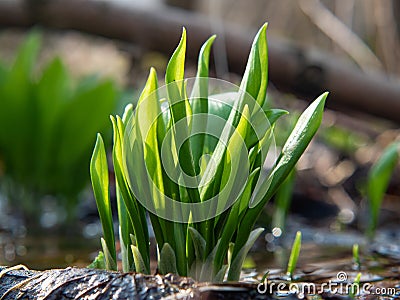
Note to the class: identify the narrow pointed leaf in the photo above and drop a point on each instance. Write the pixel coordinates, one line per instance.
(294, 255)
(378, 181)
(208, 270)
(167, 263)
(294, 147)
(140, 266)
(221, 274)
(199, 101)
(255, 78)
(111, 263)
(236, 265)
(100, 183)
(198, 242)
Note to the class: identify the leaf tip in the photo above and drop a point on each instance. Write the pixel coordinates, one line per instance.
(324, 96)
(99, 138)
(183, 37)
(264, 27)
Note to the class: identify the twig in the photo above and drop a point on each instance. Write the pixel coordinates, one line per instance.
(340, 34)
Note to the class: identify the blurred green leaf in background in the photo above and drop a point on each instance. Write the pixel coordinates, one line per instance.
(48, 125)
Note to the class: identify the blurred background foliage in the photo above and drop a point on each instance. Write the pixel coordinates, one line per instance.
(48, 124)
(330, 182)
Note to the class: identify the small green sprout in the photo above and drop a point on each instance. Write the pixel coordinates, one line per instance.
(356, 256)
(378, 181)
(191, 157)
(355, 287)
(294, 255)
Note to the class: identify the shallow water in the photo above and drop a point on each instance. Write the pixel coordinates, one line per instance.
(325, 257)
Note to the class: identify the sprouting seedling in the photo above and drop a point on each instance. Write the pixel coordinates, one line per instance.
(378, 181)
(356, 256)
(262, 287)
(167, 166)
(265, 276)
(354, 288)
(294, 255)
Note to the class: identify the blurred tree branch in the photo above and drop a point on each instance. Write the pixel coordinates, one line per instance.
(387, 35)
(300, 71)
(340, 34)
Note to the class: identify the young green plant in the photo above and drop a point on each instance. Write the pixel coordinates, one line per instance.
(193, 161)
(356, 256)
(47, 128)
(378, 181)
(294, 255)
(354, 288)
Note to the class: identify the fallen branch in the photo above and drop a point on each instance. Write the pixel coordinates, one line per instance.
(292, 69)
(75, 283)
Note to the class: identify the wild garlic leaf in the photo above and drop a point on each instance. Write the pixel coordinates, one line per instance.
(378, 181)
(255, 78)
(236, 265)
(167, 261)
(100, 183)
(199, 102)
(297, 142)
(140, 266)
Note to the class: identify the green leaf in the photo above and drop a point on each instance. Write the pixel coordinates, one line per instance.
(17, 102)
(198, 242)
(255, 78)
(110, 260)
(356, 256)
(294, 255)
(126, 255)
(167, 262)
(199, 102)
(140, 265)
(181, 110)
(176, 65)
(148, 118)
(235, 185)
(378, 181)
(236, 265)
(199, 245)
(208, 270)
(221, 274)
(274, 114)
(128, 113)
(355, 287)
(261, 122)
(294, 147)
(52, 93)
(136, 212)
(99, 262)
(100, 183)
(235, 165)
(231, 224)
(75, 120)
(253, 86)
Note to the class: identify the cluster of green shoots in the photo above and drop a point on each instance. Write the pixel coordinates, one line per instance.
(47, 127)
(202, 190)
